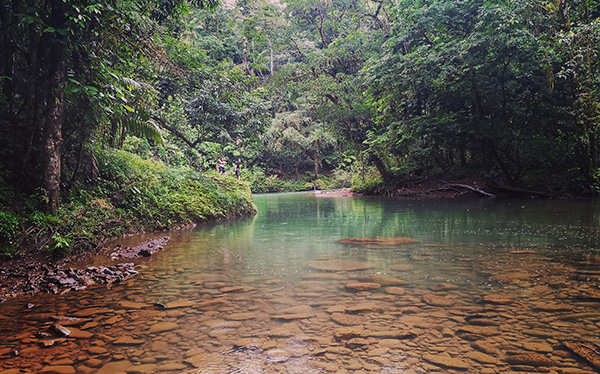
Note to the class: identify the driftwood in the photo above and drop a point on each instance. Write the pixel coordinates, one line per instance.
(471, 188)
(520, 191)
(587, 351)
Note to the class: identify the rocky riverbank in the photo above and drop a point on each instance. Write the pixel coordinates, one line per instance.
(41, 274)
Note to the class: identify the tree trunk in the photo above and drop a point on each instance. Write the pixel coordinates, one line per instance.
(55, 111)
(385, 174)
(316, 159)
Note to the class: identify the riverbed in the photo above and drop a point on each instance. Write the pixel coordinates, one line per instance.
(446, 285)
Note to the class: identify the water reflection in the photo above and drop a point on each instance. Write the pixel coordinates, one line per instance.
(491, 287)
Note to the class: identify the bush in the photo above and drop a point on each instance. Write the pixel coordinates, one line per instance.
(371, 185)
(10, 233)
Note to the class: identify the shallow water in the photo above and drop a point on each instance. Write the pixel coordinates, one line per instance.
(490, 287)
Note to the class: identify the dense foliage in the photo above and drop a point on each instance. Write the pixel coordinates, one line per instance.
(301, 94)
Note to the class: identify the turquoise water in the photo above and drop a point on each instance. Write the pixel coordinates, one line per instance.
(245, 295)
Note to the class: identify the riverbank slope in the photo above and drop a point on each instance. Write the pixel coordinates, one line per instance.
(129, 195)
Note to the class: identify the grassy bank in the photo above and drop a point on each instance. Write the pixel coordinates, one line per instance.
(128, 195)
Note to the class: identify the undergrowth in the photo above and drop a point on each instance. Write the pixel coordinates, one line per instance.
(130, 195)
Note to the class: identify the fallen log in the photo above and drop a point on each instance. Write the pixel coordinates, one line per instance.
(471, 188)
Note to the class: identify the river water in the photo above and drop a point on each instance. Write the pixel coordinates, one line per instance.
(483, 286)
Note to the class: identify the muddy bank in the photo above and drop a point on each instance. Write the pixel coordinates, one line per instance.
(32, 274)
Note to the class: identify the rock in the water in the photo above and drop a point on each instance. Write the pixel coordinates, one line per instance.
(128, 340)
(115, 367)
(346, 319)
(339, 265)
(531, 359)
(162, 327)
(384, 281)
(399, 291)
(511, 277)
(587, 351)
(58, 369)
(359, 286)
(378, 241)
(498, 299)
(435, 300)
(447, 361)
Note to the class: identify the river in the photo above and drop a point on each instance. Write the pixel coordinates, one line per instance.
(459, 285)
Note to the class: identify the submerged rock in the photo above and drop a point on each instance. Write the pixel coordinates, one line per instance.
(359, 286)
(532, 359)
(378, 241)
(339, 265)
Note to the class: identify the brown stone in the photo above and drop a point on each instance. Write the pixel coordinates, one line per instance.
(339, 265)
(384, 281)
(346, 319)
(511, 277)
(347, 333)
(378, 241)
(362, 286)
(114, 367)
(531, 359)
(181, 303)
(395, 291)
(479, 330)
(447, 361)
(58, 369)
(498, 299)
(162, 327)
(131, 305)
(435, 300)
(205, 359)
(128, 340)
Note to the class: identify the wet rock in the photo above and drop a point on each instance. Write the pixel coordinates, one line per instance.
(114, 367)
(498, 299)
(80, 334)
(479, 330)
(93, 362)
(511, 278)
(484, 358)
(339, 265)
(248, 343)
(143, 368)
(277, 355)
(144, 249)
(61, 330)
(364, 308)
(587, 351)
(399, 291)
(128, 340)
(401, 267)
(378, 241)
(58, 369)
(531, 359)
(162, 327)
(171, 367)
(538, 347)
(131, 305)
(356, 343)
(359, 286)
(345, 319)
(447, 361)
(384, 281)
(552, 307)
(349, 333)
(435, 300)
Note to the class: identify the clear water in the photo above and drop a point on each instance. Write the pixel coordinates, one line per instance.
(242, 296)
